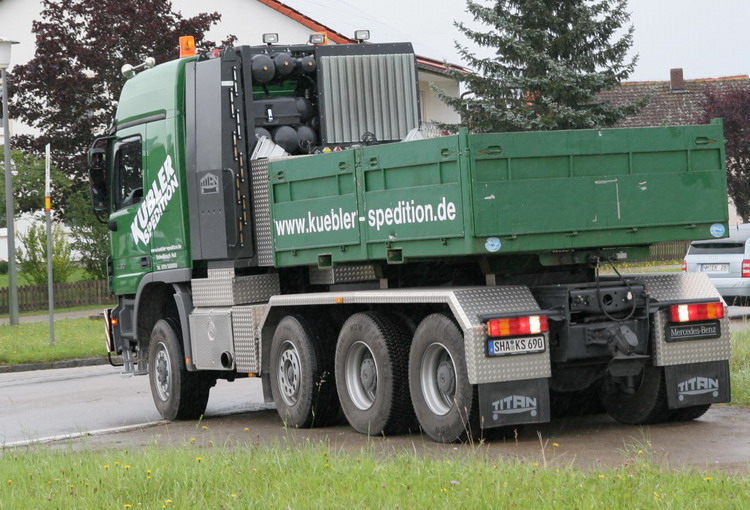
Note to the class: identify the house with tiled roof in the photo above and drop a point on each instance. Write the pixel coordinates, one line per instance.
(670, 103)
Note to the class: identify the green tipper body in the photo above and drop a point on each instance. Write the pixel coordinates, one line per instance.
(500, 193)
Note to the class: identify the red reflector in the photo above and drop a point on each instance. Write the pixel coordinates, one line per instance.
(518, 326)
(746, 268)
(114, 321)
(700, 312)
(684, 265)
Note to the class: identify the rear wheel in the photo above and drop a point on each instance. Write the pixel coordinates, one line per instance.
(371, 374)
(302, 373)
(646, 404)
(444, 401)
(689, 413)
(177, 393)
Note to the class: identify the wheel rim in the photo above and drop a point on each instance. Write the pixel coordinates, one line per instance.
(361, 375)
(289, 373)
(438, 379)
(163, 373)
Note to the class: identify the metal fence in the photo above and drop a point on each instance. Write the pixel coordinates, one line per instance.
(34, 297)
(671, 251)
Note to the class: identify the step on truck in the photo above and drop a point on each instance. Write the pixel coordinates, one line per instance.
(281, 212)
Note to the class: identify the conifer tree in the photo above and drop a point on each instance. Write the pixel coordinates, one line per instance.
(551, 59)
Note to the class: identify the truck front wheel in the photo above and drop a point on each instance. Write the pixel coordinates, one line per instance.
(444, 401)
(302, 373)
(371, 374)
(177, 393)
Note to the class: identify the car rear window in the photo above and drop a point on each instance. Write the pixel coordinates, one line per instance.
(716, 248)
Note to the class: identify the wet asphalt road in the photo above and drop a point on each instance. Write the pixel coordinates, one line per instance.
(64, 403)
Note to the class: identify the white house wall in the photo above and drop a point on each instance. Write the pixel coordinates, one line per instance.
(246, 19)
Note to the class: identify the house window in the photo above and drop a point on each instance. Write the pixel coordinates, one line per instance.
(128, 172)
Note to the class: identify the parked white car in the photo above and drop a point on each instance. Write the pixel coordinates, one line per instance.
(726, 262)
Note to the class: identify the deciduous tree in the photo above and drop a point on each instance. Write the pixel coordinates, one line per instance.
(733, 106)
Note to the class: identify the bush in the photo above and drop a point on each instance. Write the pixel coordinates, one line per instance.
(33, 261)
(3, 267)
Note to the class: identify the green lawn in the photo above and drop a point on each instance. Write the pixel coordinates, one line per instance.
(315, 476)
(29, 342)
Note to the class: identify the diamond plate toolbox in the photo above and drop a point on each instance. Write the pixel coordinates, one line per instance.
(238, 290)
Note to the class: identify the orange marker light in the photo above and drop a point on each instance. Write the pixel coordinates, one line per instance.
(187, 46)
(114, 322)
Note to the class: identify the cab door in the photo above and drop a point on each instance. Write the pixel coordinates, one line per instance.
(130, 254)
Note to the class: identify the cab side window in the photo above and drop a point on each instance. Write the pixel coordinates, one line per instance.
(128, 172)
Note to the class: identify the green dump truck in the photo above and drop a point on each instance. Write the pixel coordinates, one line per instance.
(272, 215)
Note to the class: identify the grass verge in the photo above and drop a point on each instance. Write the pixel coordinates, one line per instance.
(29, 342)
(313, 476)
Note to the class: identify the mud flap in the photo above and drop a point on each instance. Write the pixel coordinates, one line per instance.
(697, 384)
(514, 403)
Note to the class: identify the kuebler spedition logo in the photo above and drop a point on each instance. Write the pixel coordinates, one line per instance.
(405, 212)
(153, 205)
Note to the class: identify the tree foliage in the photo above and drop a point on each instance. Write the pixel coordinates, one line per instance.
(32, 261)
(551, 59)
(733, 106)
(68, 90)
(91, 236)
(28, 183)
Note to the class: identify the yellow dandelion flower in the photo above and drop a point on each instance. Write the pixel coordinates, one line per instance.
(148, 478)
(126, 466)
(148, 471)
(169, 501)
(117, 463)
(10, 482)
(205, 427)
(199, 459)
(555, 445)
(708, 479)
(246, 429)
(600, 475)
(235, 496)
(106, 466)
(535, 464)
(128, 505)
(192, 440)
(640, 452)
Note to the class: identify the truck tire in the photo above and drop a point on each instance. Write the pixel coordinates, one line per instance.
(689, 413)
(302, 373)
(371, 374)
(648, 404)
(177, 393)
(445, 403)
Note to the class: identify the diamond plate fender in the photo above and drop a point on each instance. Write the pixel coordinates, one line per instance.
(669, 289)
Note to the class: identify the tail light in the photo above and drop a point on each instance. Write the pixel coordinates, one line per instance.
(517, 326)
(699, 312)
(746, 268)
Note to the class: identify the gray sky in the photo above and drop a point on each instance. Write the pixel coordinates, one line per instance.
(707, 38)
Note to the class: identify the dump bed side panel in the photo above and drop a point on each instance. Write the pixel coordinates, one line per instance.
(500, 193)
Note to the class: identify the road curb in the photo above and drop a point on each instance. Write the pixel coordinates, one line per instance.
(72, 363)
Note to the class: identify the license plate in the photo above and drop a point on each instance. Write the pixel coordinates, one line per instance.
(715, 268)
(506, 346)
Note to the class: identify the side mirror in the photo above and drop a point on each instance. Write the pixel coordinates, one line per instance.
(98, 177)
